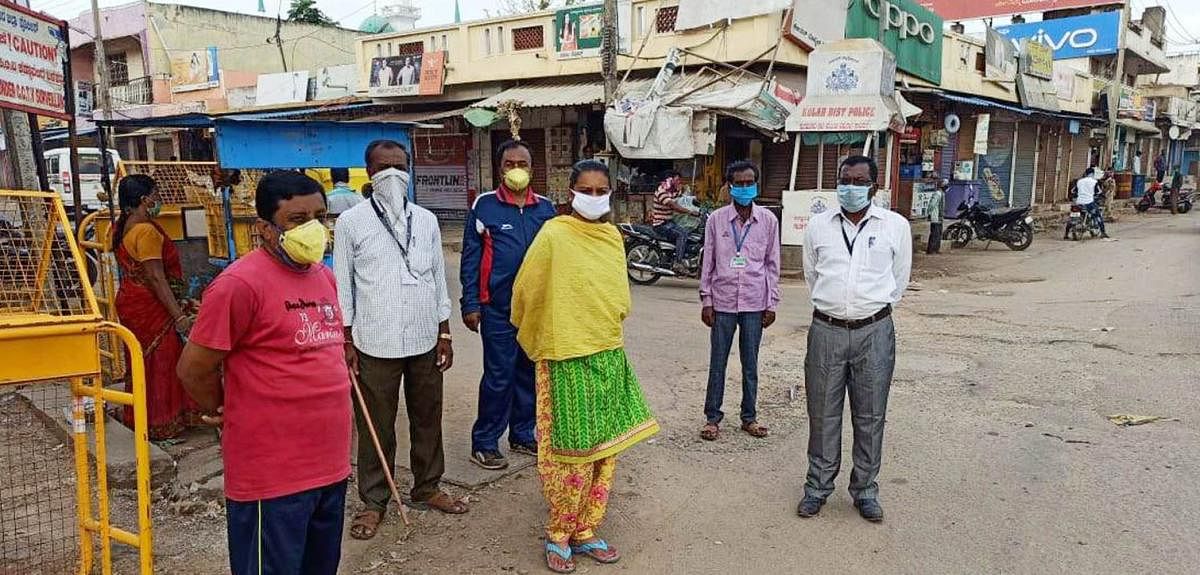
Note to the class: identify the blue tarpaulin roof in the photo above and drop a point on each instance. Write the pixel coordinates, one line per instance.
(283, 144)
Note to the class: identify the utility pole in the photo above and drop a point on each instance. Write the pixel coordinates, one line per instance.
(1115, 88)
(608, 51)
(100, 65)
(279, 41)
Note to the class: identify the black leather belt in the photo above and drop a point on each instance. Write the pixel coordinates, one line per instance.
(853, 323)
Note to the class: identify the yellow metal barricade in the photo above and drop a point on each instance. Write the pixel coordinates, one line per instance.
(50, 330)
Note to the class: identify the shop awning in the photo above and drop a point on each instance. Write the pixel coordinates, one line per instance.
(416, 117)
(548, 95)
(1140, 126)
(985, 103)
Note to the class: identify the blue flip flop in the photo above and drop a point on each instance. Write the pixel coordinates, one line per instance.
(564, 553)
(597, 545)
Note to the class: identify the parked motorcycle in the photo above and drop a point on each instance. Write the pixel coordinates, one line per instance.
(648, 256)
(1183, 201)
(1012, 226)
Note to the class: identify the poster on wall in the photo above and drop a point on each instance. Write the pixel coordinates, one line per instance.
(409, 75)
(982, 122)
(194, 70)
(32, 54)
(798, 208)
(577, 32)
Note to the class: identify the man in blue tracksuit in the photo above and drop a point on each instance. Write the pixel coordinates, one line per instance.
(499, 230)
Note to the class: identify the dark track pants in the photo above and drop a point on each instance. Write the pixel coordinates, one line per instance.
(298, 534)
(506, 392)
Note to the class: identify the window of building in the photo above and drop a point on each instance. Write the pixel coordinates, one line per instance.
(664, 21)
(445, 45)
(500, 37)
(487, 41)
(528, 38)
(640, 22)
(118, 69)
(410, 49)
(390, 53)
(379, 50)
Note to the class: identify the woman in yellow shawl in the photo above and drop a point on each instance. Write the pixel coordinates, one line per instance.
(569, 300)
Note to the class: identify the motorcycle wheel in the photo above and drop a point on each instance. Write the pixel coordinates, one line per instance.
(643, 253)
(1021, 237)
(1184, 207)
(958, 235)
(1141, 207)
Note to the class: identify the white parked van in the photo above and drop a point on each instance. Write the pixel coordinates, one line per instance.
(58, 171)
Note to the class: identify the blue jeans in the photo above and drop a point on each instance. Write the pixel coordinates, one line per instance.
(749, 328)
(297, 534)
(1093, 209)
(673, 231)
(506, 392)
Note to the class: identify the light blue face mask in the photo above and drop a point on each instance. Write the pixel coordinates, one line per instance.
(853, 198)
(743, 195)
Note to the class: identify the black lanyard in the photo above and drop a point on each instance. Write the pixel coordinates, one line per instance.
(846, 238)
(392, 232)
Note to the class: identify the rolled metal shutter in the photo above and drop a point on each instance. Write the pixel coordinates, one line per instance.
(949, 153)
(777, 169)
(1023, 178)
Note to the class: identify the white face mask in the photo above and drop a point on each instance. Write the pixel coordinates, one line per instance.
(390, 186)
(591, 207)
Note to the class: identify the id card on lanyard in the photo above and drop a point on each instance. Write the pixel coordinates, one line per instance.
(739, 259)
(387, 225)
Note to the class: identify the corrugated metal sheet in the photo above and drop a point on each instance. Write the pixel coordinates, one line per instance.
(548, 94)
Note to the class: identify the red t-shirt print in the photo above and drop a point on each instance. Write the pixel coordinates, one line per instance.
(287, 389)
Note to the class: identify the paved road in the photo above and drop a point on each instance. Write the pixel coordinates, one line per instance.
(998, 455)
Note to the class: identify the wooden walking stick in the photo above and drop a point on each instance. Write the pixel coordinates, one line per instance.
(387, 465)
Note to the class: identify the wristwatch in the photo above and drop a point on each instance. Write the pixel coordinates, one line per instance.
(446, 336)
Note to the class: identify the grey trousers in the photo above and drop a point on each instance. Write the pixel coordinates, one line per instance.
(860, 361)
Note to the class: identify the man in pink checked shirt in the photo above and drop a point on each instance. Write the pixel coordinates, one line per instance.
(739, 289)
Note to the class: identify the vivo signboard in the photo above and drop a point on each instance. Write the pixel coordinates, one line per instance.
(1075, 37)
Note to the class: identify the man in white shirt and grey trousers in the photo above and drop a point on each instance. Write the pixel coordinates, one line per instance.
(857, 262)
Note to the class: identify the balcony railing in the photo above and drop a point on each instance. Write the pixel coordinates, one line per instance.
(137, 91)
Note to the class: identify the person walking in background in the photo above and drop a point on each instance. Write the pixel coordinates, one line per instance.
(1176, 185)
(739, 291)
(1137, 163)
(666, 205)
(499, 230)
(150, 302)
(391, 281)
(937, 204)
(857, 262)
(1160, 167)
(570, 299)
(266, 352)
(342, 197)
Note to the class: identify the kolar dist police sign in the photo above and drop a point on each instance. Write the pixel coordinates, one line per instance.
(1075, 37)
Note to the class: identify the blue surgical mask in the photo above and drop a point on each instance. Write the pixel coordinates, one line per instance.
(853, 198)
(743, 195)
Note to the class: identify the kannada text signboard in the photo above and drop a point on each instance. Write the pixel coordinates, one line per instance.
(1038, 59)
(912, 33)
(32, 54)
(1074, 37)
(577, 31)
(973, 9)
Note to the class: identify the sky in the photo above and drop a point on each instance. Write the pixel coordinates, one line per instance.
(1183, 18)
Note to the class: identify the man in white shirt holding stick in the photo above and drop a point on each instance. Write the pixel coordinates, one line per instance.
(857, 262)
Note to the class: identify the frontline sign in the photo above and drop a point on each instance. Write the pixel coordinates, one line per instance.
(1075, 37)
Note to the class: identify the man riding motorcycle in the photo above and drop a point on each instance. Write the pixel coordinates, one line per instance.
(1085, 197)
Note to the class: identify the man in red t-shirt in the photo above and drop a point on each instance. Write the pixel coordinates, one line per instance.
(271, 324)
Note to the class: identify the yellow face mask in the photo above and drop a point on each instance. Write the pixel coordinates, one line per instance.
(305, 244)
(517, 179)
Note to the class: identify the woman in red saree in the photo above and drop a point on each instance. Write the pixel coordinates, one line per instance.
(148, 304)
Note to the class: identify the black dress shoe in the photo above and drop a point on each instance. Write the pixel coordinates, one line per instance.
(870, 510)
(809, 506)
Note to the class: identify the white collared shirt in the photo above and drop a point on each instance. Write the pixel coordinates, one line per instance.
(1085, 190)
(856, 286)
(394, 305)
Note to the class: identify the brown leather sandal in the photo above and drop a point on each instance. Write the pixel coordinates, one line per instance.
(710, 432)
(756, 429)
(366, 524)
(442, 502)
